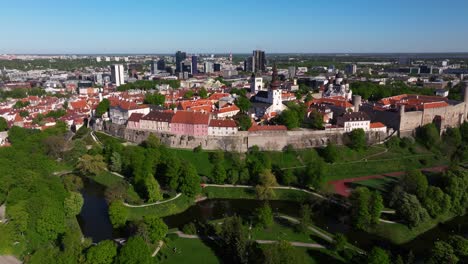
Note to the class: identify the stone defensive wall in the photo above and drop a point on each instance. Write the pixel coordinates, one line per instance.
(242, 141)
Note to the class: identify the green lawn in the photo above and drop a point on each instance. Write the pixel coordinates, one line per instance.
(249, 193)
(108, 179)
(282, 230)
(161, 210)
(400, 234)
(107, 138)
(199, 159)
(187, 251)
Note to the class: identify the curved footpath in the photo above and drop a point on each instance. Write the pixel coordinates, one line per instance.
(151, 204)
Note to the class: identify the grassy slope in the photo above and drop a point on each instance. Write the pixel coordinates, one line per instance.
(188, 251)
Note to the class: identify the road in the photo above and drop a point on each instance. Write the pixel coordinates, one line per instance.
(9, 260)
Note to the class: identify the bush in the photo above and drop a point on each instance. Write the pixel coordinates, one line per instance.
(189, 229)
(197, 149)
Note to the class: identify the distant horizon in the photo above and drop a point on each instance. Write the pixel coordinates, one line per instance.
(239, 53)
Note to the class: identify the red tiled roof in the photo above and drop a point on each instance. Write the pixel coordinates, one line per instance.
(217, 96)
(377, 125)
(230, 108)
(135, 117)
(222, 123)
(159, 116)
(194, 118)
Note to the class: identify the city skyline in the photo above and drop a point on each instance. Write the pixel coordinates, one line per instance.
(86, 27)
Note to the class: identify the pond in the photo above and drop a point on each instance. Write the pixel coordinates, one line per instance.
(94, 220)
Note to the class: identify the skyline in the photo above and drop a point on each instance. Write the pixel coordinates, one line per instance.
(118, 27)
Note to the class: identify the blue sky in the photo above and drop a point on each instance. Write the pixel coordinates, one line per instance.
(238, 26)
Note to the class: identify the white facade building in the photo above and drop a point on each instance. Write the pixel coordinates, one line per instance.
(117, 72)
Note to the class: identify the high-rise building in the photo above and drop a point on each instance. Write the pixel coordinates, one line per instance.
(117, 73)
(209, 67)
(161, 65)
(154, 67)
(194, 64)
(258, 61)
(351, 69)
(186, 66)
(179, 58)
(292, 72)
(217, 67)
(98, 59)
(248, 65)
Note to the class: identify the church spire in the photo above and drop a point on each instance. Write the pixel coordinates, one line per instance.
(275, 84)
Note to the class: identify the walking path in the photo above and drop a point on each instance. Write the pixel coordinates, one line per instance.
(277, 187)
(161, 243)
(387, 221)
(296, 244)
(341, 186)
(151, 204)
(315, 230)
(9, 260)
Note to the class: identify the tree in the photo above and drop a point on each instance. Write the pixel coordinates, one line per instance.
(357, 139)
(414, 182)
(264, 216)
(152, 141)
(189, 181)
(378, 256)
(233, 240)
(339, 242)
(290, 119)
(153, 191)
(330, 153)
(157, 229)
(154, 99)
(102, 107)
(243, 103)
(135, 251)
(315, 120)
(92, 165)
(3, 124)
(314, 174)
(172, 170)
(305, 221)
(283, 253)
(436, 201)
(243, 121)
(118, 214)
(453, 136)
(73, 204)
(24, 113)
(54, 146)
(116, 162)
(443, 253)
(103, 253)
(218, 174)
(264, 190)
(288, 178)
(459, 245)
(188, 94)
(203, 93)
(429, 136)
(360, 201)
(410, 210)
(375, 208)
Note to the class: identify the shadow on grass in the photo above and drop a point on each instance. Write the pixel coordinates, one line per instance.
(322, 257)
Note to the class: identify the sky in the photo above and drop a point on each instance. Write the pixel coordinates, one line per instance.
(237, 26)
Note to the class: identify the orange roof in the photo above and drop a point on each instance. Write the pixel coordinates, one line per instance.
(223, 123)
(193, 118)
(435, 105)
(230, 108)
(377, 125)
(217, 96)
(79, 104)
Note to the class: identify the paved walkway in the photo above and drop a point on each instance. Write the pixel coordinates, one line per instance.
(151, 204)
(277, 188)
(313, 229)
(161, 243)
(296, 244)
(9, 260)
(341, 186)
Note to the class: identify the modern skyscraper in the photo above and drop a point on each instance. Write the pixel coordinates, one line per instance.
(217, 67)
(194, 64)
(154, 67)
(258, 61)
(117, 73)
(209, 67)
(161, 65)
(180, 57)
(351, 69)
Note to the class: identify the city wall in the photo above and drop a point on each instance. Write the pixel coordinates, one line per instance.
(241, 142)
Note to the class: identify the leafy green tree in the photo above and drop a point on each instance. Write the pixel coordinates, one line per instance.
(218, 174)
(189, 181)
(73, 204)
(453, 136)
(378, 256)
(153, 191)
(54, 146)
(410, 210)
(357, 139)
(171, 170)
(243, 103)
(116, 162)
(414, 182)
(429, 136)
(3, 124)
(188, 94)
(376, 206)
(264, 216)
(92, 165)
(314, 174)
(436, 201)
(118, 214)
(290, 119)
(24, 113)
(459, 245)
(288, 178)
(103, 107)
(244, 122)
(443, 253)
(157, 229)
(330, 153)
(103, 253)
(315, 120)
(360, 201)
(135, 251)
(154, 99)
(264, 189)
(283, 253)
(233, 240)
(51, 220)
(203, 93)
